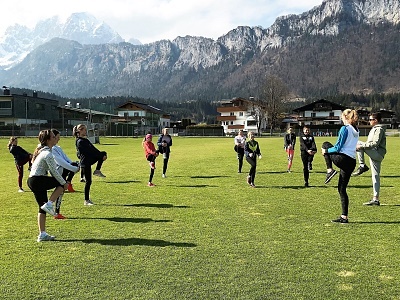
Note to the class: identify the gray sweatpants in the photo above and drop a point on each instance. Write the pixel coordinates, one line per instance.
(375, 161)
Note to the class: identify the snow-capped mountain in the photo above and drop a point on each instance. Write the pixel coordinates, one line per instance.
(19, 40)
(339, 46)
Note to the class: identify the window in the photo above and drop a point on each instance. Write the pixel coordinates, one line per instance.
(251, 123)
(136, 114)
(232, 114)
(240, 114)
(39, 106)
(5, 104)
(313, 115)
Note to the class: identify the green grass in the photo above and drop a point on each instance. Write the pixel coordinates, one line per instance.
(202, 233)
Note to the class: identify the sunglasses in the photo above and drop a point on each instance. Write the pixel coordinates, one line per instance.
(371, 119)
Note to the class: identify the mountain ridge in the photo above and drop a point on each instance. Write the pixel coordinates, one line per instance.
(234, 64)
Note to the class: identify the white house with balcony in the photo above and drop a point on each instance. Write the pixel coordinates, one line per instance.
(321, 112)
(236, 114)
(143, 117)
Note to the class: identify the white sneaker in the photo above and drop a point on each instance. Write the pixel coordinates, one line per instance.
(164, 176)
(48, 207)
(98, 173)
(21, 191)
(88, 202)
(44, 237)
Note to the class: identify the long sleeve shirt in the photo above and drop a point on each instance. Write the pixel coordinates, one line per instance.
(62, 160)
(19, 153)
(307, 142)
(149, 148)
(252, 146)
(88, 153)
(45, 163)
(376, 139)
(346, 142)
(289, 139)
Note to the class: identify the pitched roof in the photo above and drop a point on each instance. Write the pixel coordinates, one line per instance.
(322, 105)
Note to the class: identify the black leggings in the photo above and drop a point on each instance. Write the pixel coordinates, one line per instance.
(152, 158)
(67, 174)
(39, 185)
(240, 155)
(347, 165)
(87, 170)
(306, 159)
(20, 169)
(253, 167)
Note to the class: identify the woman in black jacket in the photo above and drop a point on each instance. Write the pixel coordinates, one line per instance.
(164, 143)
(88, 155)
(252, 151)
(307, 149)
(21, 157)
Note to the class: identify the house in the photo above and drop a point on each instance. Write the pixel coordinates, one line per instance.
(25, 113)
(321, 112)
(142, 118)
(237, 114)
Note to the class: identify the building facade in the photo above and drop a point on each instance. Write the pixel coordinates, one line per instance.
(236, 114)
(142, 117)
(321, 112)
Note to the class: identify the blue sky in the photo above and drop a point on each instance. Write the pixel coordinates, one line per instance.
(154, 20)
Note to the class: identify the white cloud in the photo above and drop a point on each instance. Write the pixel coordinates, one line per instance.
(152, 20)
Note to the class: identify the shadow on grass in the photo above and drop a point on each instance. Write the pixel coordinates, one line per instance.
(132, 242)
(124, 181)
(123, 220)
(196, 185)
(375, 222)
(208, 177)
(390, 176)
(110, 144)
(271, 172)
(156, 205)
(366, 186)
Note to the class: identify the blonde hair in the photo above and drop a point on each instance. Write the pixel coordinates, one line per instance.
(77, 129)
(11, 141)
(351, 116)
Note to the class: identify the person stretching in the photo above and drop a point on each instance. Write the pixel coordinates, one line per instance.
(39, 182)
(89, 155)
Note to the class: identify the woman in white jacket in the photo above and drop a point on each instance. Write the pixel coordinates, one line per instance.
(39, 182)
(66, 167)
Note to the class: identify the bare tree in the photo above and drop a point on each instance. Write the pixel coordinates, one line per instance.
(258, 111)
(273, 96)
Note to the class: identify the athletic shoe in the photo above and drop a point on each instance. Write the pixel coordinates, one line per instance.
(340, 220)
(164, 176)
(70, 188)
(289, 171)
(372, 202)
(48, 207)
(306, 184)
(83, 180)
(252, 185)
(44, 237)
(20, 190)
(88, 202)
(330, 175)
(59, 217)
(151, 184)
(152, 164)
(360, 170)
(98, 173)
(248, 179)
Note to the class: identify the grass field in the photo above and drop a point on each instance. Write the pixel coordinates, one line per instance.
(202, 232)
